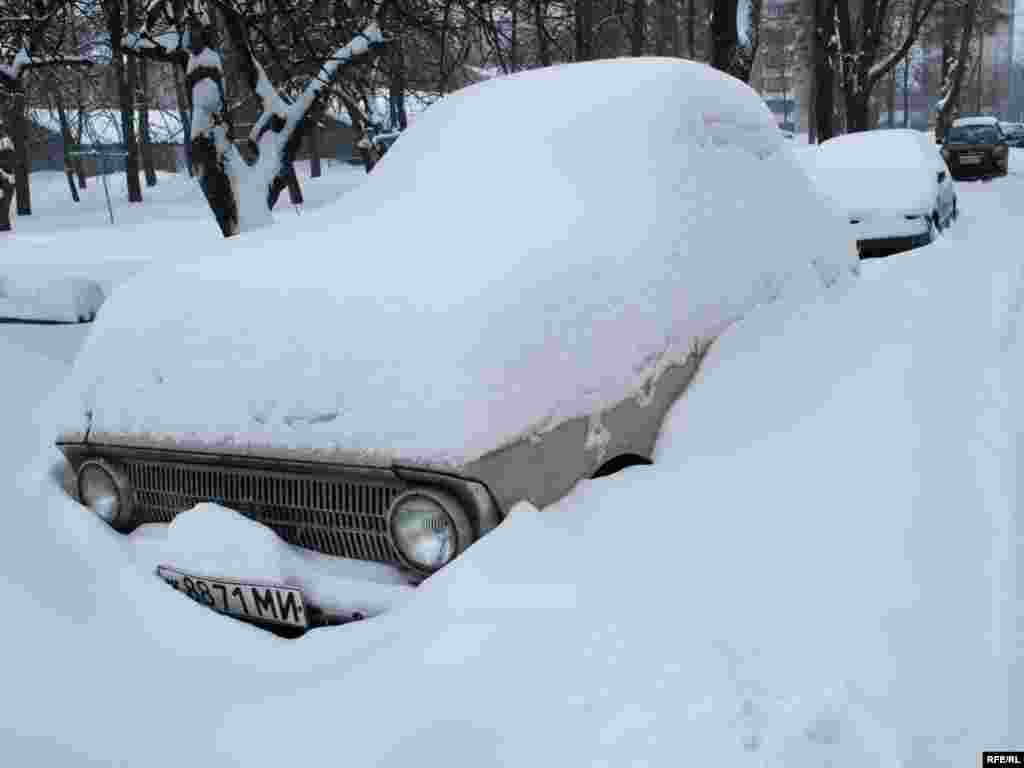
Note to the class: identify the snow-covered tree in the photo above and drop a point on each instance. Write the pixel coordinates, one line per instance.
(862, 53)
(241, 189)
(31, 37)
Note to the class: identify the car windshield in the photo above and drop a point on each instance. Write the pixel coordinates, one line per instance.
(973, 134)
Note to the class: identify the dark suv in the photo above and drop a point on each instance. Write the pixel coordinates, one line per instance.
(976, 146)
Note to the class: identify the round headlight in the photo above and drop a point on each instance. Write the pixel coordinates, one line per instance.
(104, 490)
(428, 528)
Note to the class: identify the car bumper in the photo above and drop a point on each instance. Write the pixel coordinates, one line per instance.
(884, 246)
(988, 165)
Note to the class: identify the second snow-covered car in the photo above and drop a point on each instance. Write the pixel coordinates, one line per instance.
(468, 329)
(976, 146)
(892, 185)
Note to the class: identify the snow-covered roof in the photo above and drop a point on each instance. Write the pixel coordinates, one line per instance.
(975, 120)
(490, 278)
(103, 126)
(880, 170)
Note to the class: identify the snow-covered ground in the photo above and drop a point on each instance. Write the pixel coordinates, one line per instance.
(819, 569)
(76, 240)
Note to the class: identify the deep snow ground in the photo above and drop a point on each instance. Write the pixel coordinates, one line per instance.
(173, 221)
(825, 572)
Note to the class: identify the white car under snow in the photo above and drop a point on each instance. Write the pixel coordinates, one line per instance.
(504, 308)
(893, 186)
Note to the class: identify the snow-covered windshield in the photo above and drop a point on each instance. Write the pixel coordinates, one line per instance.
(973, 134)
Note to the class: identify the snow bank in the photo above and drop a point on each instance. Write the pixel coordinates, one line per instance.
(44, 297)
(490, 276)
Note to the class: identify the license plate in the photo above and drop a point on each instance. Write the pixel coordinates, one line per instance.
(256, 602)
(970, 159)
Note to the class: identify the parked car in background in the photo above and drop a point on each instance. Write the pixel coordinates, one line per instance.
(1014, 133)
(976, 146)
(892, 185)
(394, 406)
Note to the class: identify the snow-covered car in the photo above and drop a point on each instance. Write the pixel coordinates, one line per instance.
(466, 330)
(892, 185)
(976, 146)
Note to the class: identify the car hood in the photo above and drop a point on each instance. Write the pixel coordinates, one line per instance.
(497, 274)
(874, 192)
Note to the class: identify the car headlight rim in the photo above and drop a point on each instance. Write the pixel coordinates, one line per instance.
(120, 514)
(452, 510)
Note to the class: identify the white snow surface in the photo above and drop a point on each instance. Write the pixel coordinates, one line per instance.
(879, 171)
(821, 568)
(411, 320)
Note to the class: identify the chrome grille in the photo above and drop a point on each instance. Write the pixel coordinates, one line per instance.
(331, 514)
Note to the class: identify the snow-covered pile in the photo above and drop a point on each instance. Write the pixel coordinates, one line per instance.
(26, 296)
(218, 542)
(496, 272)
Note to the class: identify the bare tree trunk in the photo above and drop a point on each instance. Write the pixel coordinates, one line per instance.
(19, 134)
(981, 67)
(126, 90)
(691, 28)
(543, 43)
(890, 102)
(906, 91)
(6, 183)
(584, 30)
(147, 145)
(396, 89)
(824, 73)
(315, 171)
(183, 113)
(636, 37)
(65, 135)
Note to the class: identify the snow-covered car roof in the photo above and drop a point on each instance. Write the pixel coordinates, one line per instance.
(975, 120)
(878, 170)
(498, 274)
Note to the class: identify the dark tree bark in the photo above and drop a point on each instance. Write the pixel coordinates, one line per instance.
(639, 28)
(824, 72)
(65, 135)
(19, 134)
(125, 77)
(144, 137)
(79, 164)
(184, 113)
(691, 28)
(6, 180)
(540, 10)
(315, 171)
(584, 30)
(890, 102)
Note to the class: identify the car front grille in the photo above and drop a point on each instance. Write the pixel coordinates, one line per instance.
(333, 514)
